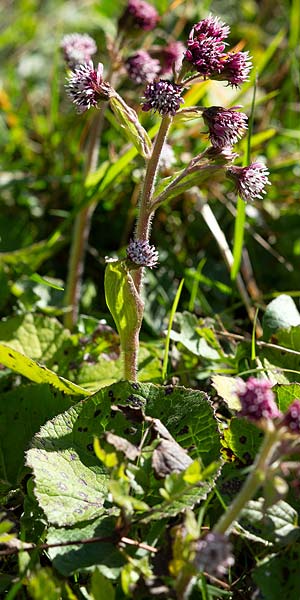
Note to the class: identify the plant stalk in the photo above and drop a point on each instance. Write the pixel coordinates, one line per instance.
(143, 225)
(81, 229)
(252, 483)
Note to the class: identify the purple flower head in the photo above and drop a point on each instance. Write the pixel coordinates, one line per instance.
(139, 15)
(211, 27)
(257, 399)
(250, 181)
(172, 57)
(205, 54)
(291, 418)
(214, 554)
(163, 96)
(77, 49)
(226, 125)
(236, 68)
(142, 253)
(85, 86)
(141, 68)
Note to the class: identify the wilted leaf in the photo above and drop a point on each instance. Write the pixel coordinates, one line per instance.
(225, 387)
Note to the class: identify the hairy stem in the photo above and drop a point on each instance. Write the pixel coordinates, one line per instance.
(142, 232)
(143, 225)
(252, 483)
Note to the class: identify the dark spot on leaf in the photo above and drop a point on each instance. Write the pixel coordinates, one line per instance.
(243, 439)
(90, 447)
(134, 400)
(16, 416)
(66, 352)
(184, 430)
(83, 481)
(110, 393)
(247, 457)
(83, 495)
(10, 355)
(113, 414)
(97, 412)
(135, 386)
(72, 456)
(85, 429)
(80, 429)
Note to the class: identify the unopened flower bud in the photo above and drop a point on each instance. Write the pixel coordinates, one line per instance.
(78, 49)
(257, 399)
(139, 15)
(214, 554)
(141, 68)
(142, 253)
(291, 418)
(163, 96)
(250, 181)
(226, 126)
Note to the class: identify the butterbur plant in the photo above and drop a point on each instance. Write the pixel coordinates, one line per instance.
(154, 453)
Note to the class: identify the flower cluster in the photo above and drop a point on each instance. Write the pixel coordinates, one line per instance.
(142, 253)
(214, 554)
(291, 419)
(78, 49)
(163, 96)
(250, 181)
(205, 53)
(141, 68)
(226, 126)
(85, 86)
(139, 15)
(171, 57)
(257, 399)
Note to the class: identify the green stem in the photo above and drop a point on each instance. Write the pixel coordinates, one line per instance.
(252, 483)
(142, 232)
(143, 225)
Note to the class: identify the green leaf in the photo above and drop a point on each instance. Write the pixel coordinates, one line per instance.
(69, 559)
(281, 313)
(32, 256)
(128, 119)
(286, 394)
(275, 524)
(243, 439)
(71, 484)
(278, 576)
(43, 585)
(45, 281)
(36, 336)
(285, 365)
(123, 302)
(101, 588)
(225, 387)
(22, 412)
(35, 372)
(201, 341)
